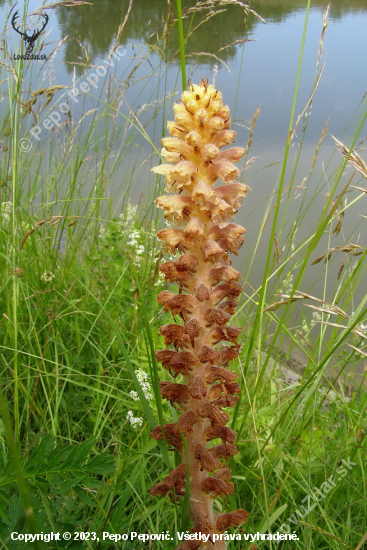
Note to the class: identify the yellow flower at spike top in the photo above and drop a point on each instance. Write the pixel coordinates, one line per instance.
(203, 234)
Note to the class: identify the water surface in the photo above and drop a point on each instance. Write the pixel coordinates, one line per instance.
(258, 69)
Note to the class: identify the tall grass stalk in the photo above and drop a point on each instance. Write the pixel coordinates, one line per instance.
(181, 44)
(14, 104)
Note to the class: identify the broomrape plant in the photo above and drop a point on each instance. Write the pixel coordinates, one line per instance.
(204, 235)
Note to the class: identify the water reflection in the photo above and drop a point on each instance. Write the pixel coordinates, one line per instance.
(276, 11)
(94, 27)
(91, 29)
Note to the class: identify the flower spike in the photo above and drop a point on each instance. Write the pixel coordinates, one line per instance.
(203, 235)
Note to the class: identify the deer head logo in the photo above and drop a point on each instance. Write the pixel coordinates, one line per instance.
(29, 40)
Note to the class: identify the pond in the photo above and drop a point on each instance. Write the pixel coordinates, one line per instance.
(253, 61)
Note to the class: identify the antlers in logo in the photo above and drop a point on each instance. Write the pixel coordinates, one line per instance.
(30, 40)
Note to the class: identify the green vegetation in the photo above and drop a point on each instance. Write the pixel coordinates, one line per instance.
(79, 326)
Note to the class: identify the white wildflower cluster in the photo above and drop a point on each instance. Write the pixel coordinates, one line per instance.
(47, 277)
(5, 211)
(307, 325)
(102, 232)
(127, 219)
(134, 421)
(134, 237)
(362, 327)
(138, 249)
(160, 280)
(145, 386)
(316, 318)
(125, 222)
(304, 329)
(137, 241)
(287, 284)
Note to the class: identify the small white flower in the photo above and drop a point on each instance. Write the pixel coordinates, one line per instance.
(134, 395)
(304, 327)
(47, 277)
(102, 232)
(133, 238)
(128, 218)
(160, 280)
(316, 318)
(134, 422)
(5, 211)
(287, 284)
(141, 375)
(145, 385)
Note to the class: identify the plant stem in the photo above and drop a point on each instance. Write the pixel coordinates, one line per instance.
(182, 44)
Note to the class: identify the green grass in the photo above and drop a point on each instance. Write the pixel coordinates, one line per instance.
(73, 339)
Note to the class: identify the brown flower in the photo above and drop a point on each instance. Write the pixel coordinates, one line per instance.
(202, 236)
(232, 519)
